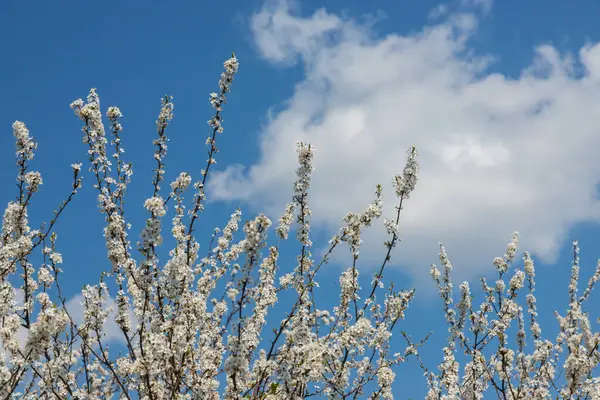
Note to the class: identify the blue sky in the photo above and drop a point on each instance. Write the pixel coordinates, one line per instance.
(503, 148)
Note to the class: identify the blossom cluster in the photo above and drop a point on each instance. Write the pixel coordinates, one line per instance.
(195, 327)
(562, 367)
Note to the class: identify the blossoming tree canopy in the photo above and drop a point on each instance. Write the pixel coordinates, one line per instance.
(194, 327)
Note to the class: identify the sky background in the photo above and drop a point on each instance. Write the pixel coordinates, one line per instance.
(501, 99)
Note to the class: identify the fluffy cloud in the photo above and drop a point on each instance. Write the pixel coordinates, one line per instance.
(498, 154)
(443, 9)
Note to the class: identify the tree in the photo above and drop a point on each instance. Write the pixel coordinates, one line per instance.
(197, 325)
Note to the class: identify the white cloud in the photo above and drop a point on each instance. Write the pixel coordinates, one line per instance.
(497, 154)
(293, 36)
(483, 7)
